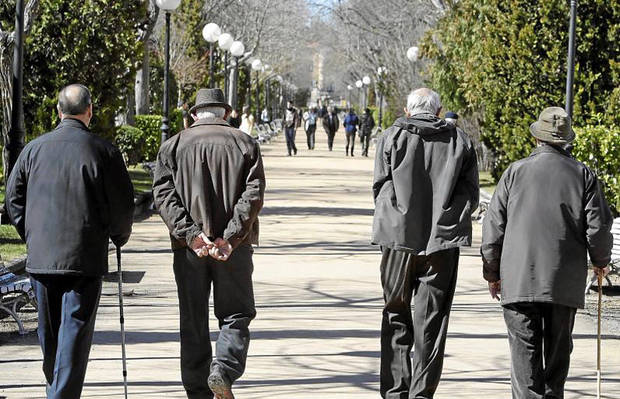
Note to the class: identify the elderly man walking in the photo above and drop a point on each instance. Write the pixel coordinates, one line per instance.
(208, 186)
(547, 214)
(425, 189)
(68, 194)
(331, 123)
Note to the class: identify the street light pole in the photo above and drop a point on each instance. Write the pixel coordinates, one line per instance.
(570, 73)
(211, 67)
(15, 139)
(211, 33)
(165, 128)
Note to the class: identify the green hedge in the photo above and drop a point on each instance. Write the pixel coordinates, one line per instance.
(130, 141)
(599, 148)
(150, 125)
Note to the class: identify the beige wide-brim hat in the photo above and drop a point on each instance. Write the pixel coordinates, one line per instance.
(553, 126)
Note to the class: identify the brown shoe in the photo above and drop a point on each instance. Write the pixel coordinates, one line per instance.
(220, 385)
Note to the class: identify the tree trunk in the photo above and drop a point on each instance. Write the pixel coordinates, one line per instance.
(6, 88)
(142, 94)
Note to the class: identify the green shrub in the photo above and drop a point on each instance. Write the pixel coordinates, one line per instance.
(150, 125)
(599, 148)
(130, 141)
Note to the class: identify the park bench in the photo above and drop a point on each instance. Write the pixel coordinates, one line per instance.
(15, 292)
(614, 265)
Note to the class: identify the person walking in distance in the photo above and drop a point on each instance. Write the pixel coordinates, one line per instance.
(351, 122)
(548, 213)
(310, 118)
(291, 121)
(247, 121)
(366, 125)
(68, 195)
(331, 123)
(209, 187)
(425, 189)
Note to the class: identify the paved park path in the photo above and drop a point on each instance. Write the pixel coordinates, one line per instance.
(319, 305)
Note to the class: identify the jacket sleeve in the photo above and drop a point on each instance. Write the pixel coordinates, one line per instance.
(493, 230)
(16, 191)
(250, 203)
(169, 204)
(598, 224)
(120, 197)
(383, 171)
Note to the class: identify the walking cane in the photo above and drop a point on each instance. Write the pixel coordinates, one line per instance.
(122, 318)
(598, 337)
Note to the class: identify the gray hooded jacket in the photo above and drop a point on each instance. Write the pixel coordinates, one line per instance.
(425, 186)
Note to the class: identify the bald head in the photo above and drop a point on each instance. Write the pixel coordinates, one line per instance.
(74, 100)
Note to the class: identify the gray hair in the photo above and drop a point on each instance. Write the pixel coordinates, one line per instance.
(74, 99)
(423, 101)
(210, 112)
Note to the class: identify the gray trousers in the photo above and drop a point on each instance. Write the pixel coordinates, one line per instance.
(430, 281)
(233, 300)
(67, 311)
(540, 337)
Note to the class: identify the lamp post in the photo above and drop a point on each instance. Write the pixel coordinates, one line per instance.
(168, 6)
(237, 49)
(413, 53)
(211, 33)
(15, 139)
(570, 70)
(257, 65)
(366, 81)
(225, 41)
(349, 88)
(359, 84)
(380, 73)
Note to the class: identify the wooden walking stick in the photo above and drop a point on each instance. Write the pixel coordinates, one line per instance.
(598, 336)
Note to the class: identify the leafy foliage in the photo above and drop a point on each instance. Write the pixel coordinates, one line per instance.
(506, 61)
(599, 148)
(130, 141)
(93, 42)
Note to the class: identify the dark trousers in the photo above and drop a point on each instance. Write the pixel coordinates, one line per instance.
(67, 310)
(289, 132)
(365, 142)
(233, 299)
(330, 140)
(431, 281)
(310, 136)
(350, 142)
(540, 337)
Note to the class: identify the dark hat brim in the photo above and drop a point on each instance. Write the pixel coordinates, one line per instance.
(536, 129)
(210, 104)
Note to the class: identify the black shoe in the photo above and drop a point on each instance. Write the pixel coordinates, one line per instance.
(295, 151)
(220, 384)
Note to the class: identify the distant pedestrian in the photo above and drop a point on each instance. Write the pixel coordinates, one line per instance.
(68, 194)
(548, 213)
(425, 189)
(310, 118)
(264, 116)
(291, 121)
(331, 124)
(366, 125)
(209, 186)
(185, 115)
(247, 121)
(451, 118)
(351, 123)
(234, 119)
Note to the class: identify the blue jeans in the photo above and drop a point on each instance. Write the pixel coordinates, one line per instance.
(67, 310)
(289, 132)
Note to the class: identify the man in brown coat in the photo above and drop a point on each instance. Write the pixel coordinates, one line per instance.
(209, 185)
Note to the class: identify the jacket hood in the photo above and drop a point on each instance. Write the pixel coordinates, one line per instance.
(424, 124)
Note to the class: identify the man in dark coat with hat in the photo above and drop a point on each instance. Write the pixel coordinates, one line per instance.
(67, 196)
(548, 213)
(209, 185)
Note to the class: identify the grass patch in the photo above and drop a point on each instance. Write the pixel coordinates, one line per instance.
(11, 246)
(487, 183)
(141, 179)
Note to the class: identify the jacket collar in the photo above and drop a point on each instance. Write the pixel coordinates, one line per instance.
(552, 149)
(210, 121)
(72, 123)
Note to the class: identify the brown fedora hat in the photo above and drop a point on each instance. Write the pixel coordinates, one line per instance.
(553, 126)
(210, 98)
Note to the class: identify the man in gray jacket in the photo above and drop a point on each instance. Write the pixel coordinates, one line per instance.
(425, 189)
(547, 214)
(209, 185)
